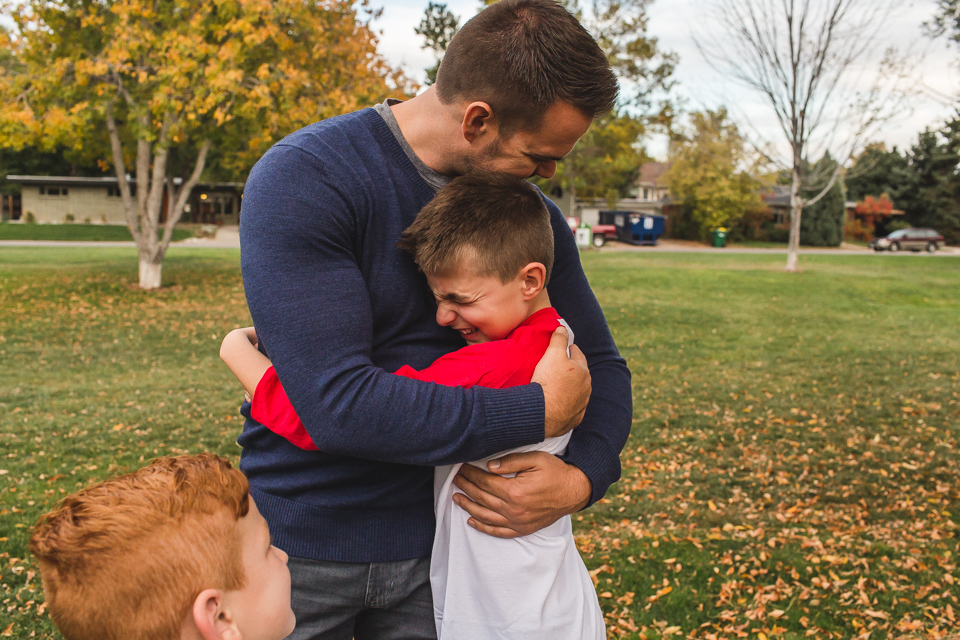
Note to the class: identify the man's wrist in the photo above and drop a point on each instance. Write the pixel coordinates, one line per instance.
(580, 487)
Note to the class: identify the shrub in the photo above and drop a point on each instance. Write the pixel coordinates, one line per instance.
(68, 219)
(857, 229)
(30, 218)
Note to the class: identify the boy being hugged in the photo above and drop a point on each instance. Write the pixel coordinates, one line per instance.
(485, 246)
(174, 551)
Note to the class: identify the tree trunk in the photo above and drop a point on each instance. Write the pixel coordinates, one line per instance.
(796, 208)
(150, 272)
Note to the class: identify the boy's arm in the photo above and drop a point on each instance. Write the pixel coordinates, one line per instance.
(239, 351)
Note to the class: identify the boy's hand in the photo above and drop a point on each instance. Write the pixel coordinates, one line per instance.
(566, 385)
(544, 490)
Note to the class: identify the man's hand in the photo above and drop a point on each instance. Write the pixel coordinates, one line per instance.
(544, 490)
(566, 385)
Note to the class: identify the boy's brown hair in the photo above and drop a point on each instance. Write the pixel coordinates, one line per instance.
(500, 217)
(523, 56)
(126, 558)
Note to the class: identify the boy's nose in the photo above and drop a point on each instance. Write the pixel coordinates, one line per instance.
(445, 315)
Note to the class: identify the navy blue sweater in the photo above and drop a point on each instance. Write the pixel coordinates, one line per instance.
(337, 306)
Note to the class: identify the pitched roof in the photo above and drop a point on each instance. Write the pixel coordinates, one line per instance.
(652, 172)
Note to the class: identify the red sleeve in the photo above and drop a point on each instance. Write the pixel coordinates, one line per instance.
(272, 409)
(461, 368)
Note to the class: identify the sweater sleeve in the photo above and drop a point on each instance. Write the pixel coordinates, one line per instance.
(301, 241)
(596, 443)
(463, 368)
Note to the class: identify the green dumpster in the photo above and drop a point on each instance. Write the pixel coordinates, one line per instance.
(719, 237)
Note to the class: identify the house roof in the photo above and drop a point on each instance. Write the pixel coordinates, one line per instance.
(778, 196)
(68, 181)
(651, 172)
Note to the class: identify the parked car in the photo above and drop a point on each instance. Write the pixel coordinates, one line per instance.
(909, 239)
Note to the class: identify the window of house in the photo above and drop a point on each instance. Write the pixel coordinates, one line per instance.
(646, 194)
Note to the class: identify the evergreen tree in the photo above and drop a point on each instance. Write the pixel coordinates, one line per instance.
(822, 222)
(935, 203)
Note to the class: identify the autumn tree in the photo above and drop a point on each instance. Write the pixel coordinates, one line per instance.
(806, 59)
(606, 162)
(161, 85)
(711, 173)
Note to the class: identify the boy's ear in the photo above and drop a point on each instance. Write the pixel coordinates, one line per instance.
(211, 617)
(534, 277)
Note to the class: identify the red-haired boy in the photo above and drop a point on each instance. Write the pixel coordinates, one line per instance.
(174, 551)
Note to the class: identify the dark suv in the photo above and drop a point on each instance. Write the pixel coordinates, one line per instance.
(912, 239)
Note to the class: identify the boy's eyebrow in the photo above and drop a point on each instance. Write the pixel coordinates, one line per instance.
(452, 297)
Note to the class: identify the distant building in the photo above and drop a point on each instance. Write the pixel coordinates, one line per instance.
(647, 195)
(66, 198)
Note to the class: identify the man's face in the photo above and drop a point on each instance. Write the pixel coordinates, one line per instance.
(535, 153)
(481, 308)
(263, 605)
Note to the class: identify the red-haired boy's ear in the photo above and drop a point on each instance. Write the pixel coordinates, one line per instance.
(534, 278)
(210, 618)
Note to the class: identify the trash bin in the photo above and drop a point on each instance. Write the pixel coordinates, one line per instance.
(584, 236)
(719, 237)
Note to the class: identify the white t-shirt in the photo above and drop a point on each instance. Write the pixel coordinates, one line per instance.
(487, 588)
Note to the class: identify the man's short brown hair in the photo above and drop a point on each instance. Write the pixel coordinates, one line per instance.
(498, 221)
(523, 56)
(127, 557)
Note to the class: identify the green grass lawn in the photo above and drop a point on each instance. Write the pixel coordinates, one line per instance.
(78, 232)
(792, 470)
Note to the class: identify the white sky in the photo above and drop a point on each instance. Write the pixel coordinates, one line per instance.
(696, 83)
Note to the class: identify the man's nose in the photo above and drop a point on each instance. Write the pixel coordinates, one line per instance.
(546, 169)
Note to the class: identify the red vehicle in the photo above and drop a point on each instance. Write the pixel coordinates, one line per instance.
(602, 233)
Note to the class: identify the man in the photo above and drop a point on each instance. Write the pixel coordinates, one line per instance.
(337, 305)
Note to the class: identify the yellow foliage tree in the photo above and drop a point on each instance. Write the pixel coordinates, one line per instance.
(711, 173)
(159, 85)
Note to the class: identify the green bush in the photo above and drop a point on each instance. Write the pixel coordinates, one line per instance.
(30, 218)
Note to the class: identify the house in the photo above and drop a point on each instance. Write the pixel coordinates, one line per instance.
(74, 199)
(778, 200)
(647, 195)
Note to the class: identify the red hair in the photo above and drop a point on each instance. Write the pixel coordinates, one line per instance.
(126, 558)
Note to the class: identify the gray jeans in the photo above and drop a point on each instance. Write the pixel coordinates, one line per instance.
(365, 601)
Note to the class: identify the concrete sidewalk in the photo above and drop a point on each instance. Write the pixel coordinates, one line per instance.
(226, 238)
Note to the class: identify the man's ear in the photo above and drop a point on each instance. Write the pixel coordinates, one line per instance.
(534, 277)
(478, 120)
(212, 619)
